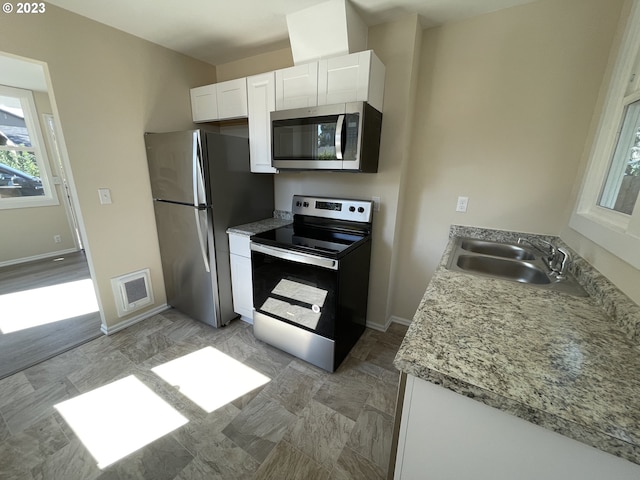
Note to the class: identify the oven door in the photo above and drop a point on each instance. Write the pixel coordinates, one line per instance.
(296, 288)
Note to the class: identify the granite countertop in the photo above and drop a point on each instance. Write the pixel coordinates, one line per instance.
(562, 362)
(259, 226)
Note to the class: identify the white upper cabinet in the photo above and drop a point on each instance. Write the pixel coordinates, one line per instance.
(204, 104)
(220, 101)
(261, 93)
(232, 99)
(348, 78)
(297, 87)
(351, 78)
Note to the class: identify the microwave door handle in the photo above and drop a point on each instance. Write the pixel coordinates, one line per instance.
(339, 126)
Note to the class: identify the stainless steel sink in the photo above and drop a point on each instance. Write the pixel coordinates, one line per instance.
(518, 271)
(496, 249)
(508, 262)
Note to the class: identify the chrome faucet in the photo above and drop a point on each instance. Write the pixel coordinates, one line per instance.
(557, 266)
(561, 269)
(550, 254)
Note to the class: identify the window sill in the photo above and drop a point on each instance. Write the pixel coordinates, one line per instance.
(609, 234)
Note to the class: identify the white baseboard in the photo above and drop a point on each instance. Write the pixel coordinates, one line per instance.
(399, 320)
(377, 326)
(133, 320)
(38, 257)
(385, 327)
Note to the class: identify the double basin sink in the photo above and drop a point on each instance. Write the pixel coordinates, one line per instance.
(507, 261)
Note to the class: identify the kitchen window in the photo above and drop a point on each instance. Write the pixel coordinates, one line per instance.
(608, 209)
(25, 177)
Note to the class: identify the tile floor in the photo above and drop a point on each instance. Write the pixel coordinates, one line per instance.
(303, 423)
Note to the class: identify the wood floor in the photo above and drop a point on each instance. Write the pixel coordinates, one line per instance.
(302, 424)
(22, 348)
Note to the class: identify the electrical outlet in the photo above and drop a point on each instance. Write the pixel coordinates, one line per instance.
(461, 206)
(57, 239)
(376, 203)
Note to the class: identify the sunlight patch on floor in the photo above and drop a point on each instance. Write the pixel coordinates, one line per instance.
(41, 306)
(210, 378)
(119, 418)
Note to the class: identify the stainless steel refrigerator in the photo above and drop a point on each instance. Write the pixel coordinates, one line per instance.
(201, 185)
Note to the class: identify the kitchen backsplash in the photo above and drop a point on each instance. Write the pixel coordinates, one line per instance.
(282, 214)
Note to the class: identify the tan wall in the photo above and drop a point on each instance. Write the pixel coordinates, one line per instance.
(27, 233)
(245, 67)
(503, 109)
(109, 88)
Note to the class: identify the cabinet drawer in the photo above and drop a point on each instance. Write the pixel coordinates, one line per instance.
(239, 244)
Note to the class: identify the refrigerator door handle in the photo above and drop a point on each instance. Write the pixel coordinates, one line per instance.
(198, 194)
(203, 247)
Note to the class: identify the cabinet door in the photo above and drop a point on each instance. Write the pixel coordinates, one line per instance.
(261, 94)
(232, 99)
(297, 87)
(204, 103)
(446, 435)
(343, 79)
(358, 77)
(242, 287)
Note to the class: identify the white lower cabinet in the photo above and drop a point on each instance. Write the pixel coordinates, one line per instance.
(445, 435)
(241, 281)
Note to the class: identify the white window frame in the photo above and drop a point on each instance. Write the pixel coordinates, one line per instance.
(614, 231)
(30, 112)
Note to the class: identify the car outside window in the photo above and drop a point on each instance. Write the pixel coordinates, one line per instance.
(25, 179)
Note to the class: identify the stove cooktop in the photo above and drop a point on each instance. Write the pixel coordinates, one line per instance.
(317, 241)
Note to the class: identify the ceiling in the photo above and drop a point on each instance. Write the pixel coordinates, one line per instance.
(219, 31)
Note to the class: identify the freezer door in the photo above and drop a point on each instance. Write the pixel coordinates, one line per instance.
(175, 168)
(189, 271)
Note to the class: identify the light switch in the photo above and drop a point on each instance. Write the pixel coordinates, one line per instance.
(105, 196)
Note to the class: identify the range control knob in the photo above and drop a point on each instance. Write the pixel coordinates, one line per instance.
(352, 208)
(298, 204)
(305, 204)
(360, 209)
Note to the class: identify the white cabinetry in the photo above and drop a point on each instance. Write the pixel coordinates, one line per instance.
(297, 87)
(261, 94)
(445, 435)
(232, 99)
(241, 281)
(351, 78)
(348, 78)
(220, 101)
(204, 104)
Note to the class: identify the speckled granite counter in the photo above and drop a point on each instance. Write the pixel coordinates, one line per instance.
(260, 226)
(568, 364)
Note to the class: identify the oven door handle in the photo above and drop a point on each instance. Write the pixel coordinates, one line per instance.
(298, 257)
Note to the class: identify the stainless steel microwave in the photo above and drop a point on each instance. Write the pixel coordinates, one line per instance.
(341, 137)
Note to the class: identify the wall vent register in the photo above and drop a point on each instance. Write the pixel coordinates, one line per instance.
(132, 291)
